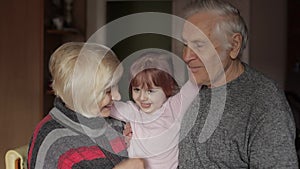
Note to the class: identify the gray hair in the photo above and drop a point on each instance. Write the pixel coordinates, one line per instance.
(232, 23)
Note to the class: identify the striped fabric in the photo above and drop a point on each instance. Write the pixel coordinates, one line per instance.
(66, 139)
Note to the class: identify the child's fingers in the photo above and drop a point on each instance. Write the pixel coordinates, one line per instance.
(127, 132)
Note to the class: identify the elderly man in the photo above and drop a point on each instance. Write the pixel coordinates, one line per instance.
(249, 124)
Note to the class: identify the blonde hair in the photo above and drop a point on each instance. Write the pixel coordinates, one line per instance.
(81, 74)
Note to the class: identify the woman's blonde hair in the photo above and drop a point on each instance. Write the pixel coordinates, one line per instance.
(82, 73)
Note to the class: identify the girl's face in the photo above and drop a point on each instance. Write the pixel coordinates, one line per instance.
(106, 103)
(148, 99)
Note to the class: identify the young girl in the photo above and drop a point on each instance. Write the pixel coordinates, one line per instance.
(156, 112)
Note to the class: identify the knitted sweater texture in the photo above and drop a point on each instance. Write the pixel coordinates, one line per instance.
(250, 126)
(65, 139)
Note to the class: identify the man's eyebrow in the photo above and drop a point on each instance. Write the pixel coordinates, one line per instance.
(199, 41)
(193, 40)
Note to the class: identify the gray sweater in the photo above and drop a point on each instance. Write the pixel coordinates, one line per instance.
(245, 124)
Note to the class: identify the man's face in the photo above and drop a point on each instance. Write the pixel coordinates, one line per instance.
(203, 53)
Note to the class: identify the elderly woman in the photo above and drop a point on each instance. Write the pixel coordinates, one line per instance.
(77, 132)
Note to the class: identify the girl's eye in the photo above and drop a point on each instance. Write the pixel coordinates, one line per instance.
(150, 91)
(136, 89)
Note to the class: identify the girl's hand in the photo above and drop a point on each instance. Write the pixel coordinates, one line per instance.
(127, 132)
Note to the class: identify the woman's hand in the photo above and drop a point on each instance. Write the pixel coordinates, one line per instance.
(132, 163)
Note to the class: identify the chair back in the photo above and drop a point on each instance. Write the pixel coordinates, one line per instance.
(16, 158)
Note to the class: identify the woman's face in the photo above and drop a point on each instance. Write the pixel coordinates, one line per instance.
(110, 95)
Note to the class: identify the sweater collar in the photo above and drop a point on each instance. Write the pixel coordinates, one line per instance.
(243, 77)
(77, 121)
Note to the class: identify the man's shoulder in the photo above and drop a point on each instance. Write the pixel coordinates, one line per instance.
(267, 92)
(261, 81)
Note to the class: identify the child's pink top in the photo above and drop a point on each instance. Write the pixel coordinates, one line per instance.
(156, 135)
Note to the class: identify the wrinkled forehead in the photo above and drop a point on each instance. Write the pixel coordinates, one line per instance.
(191, 32)
(198, 31)
(199, 26)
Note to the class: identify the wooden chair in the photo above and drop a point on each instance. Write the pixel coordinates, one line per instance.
(16, 158)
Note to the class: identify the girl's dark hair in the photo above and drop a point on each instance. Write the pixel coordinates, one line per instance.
(151, 77)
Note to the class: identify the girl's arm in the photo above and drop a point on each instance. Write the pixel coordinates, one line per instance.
(122, 111)
(183, 99)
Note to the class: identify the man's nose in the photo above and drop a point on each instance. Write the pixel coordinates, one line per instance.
(188, 54)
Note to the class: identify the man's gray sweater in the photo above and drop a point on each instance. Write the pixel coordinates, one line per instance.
(246, 123)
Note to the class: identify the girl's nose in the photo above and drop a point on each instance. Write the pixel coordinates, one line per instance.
(143, 95)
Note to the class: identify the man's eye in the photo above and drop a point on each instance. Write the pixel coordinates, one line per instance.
(199, 44)
(108, 91)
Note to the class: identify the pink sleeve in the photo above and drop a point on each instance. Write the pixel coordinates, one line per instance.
(121, 110)
(183, 99)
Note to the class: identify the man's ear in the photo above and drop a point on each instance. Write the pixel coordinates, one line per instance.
(236, 43)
